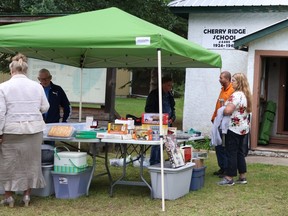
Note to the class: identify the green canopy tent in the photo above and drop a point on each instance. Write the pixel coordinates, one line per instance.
(102, 38)
(106, 38)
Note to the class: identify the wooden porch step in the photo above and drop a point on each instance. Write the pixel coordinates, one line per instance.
(279, 140)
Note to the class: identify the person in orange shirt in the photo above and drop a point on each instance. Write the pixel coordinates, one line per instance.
(226, 91)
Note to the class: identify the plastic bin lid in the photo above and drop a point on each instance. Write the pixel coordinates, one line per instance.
(167, 167)
(71, 154)
(47, 165)
(88, 169)
(47, 147)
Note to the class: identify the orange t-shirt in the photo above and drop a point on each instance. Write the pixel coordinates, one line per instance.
(224, 94)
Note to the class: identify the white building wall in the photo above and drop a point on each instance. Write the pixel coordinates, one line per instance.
(271, 42)
(202, 85)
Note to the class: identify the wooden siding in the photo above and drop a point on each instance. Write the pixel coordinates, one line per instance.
(122, 78)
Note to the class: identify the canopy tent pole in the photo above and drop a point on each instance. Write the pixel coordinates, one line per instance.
(82, 60)
(80, 103)
(82, 64)
(161, 126)
(80, 99)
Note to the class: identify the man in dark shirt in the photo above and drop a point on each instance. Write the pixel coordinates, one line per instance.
(168, 104)
(56, 97)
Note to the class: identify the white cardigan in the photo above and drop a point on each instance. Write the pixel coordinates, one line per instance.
(22, 102)
(220, 122)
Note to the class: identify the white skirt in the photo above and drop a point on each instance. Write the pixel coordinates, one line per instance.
(20, 162)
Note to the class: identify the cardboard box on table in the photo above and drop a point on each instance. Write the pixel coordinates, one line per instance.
(153, 118)
(110, 136)
(129, 122)
(155, 130)
(143, 134)
(150, 121)
(114, 128)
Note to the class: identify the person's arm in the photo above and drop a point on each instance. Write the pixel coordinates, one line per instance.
(217, 106)
(44, 102)
(65, 104)
(151, 103)
(2, 112)
(229, 109)
(231, 104)
(173, 114)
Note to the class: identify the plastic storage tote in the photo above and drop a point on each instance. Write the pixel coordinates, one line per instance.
(176, 180)
(71, 185)
(49, 189)
(197, 178)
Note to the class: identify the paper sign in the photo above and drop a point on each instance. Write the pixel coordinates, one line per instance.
(142, 40)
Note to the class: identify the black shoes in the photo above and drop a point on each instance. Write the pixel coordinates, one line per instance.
(219, 172)
(226, 182)
(241, 181)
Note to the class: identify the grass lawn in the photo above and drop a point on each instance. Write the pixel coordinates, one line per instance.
(265, 194)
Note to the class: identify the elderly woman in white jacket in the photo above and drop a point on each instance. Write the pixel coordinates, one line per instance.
(22, 102)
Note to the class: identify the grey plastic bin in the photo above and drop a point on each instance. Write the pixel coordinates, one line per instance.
(176, 180)
(197, 178)
(2, 190)
(49, 189)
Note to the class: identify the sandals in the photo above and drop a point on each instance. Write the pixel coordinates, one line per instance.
(8, 201)
(26, 200)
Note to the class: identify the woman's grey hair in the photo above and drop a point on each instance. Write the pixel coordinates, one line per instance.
(19, 64)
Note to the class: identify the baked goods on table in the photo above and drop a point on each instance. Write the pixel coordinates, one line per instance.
(61, 131)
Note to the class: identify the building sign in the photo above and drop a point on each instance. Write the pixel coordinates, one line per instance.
(221, 38)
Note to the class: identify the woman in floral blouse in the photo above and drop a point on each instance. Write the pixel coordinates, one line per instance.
(238, 106)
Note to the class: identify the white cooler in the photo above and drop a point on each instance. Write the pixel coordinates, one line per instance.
(70, 162)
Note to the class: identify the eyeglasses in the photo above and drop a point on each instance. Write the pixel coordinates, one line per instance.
(44, 79)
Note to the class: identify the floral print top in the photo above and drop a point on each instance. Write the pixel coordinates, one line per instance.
(239, 122)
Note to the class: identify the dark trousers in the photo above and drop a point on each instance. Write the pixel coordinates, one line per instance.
(221, 157)
(236, 150)
(52, 143)
(155, 155)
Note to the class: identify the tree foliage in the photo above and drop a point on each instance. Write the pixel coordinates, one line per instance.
(154, 11)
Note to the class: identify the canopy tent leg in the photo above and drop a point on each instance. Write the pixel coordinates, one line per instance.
(161, 126)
